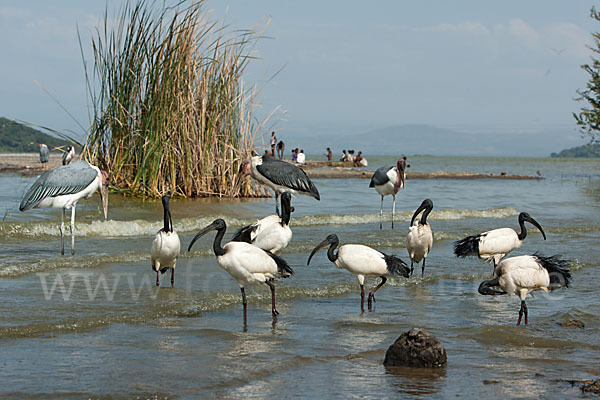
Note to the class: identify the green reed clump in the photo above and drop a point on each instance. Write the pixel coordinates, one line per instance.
(170, 111)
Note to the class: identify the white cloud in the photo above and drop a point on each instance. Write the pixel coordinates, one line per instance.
(475, 28)
(523, 32)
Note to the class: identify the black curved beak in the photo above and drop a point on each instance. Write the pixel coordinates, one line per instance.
(537, 225)
(319, 246)
(421, 208)
(203, 232)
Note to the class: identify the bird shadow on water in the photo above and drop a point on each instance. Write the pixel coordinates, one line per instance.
(416, 381)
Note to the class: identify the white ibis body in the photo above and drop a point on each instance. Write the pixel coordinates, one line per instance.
(386, 181)
(362, 261)
(166, 245)
(280, 176)
(68, 156)
(494, 245)
(419, 240)
(523, 275)
(271, 233)
(246, 263)
(63, 187)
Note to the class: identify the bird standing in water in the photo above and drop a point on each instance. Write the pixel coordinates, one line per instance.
(166, 245)
(419, 240)
(523, 275)
(362, 261)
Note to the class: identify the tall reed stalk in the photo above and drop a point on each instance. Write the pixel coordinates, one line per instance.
(170, 112)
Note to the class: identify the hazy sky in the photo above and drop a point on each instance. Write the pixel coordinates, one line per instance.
(348, 66)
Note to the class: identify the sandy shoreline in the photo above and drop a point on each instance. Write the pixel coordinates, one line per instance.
(29, 163)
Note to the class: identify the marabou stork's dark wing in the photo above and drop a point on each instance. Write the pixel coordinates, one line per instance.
(67, 179)
(380, 176)
(285, 174)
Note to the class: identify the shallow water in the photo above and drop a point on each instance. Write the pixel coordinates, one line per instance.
(94, 324)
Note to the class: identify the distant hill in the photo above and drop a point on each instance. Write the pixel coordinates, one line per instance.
(19, 138)
(422, 139)
(586, 151)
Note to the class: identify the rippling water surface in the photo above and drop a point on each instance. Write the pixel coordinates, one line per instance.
(94, 324)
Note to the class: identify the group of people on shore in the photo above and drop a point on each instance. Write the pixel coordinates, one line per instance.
(358, 160)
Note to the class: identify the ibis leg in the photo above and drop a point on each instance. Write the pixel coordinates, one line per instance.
(423, 269)
(62, 233)
(362, 298)
(522, 311)
(172, 277)
(73, 230)
(411, 266)
(372, 293)
(157, 282)
(273, 309)
(245, 305)
(381, 214)
(393, 209)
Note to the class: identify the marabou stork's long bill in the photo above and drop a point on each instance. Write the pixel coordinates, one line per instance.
(280, 176)
(525, 274)
(246, 263)
(494, 245)
(271, 233)
(419, 240)
(68, 156)
(362, 261)
(63, 187)
(166, 245)
(388, 180)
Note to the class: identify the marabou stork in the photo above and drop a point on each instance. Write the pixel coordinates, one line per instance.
(63, 187)
(246, 263)
(362, 261)
(68, 156)
(271, 233)
(44, 153)
(388, 180)
(280, 176)
(494, 245)
(522, 275)
(166, 245)
(419, 240)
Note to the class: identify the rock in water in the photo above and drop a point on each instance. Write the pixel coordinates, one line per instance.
(416, 348)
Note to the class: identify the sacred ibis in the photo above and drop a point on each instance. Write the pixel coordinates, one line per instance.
(271, 233)
(419, 240)
(280, 176)
(63, 187)
(166, 245)
(246, 263)
(494, 245)
(68, 156)
(523, 275)
(388, 180)
(362, 261)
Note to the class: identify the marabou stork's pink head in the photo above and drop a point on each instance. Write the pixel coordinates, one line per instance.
(246, 168)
